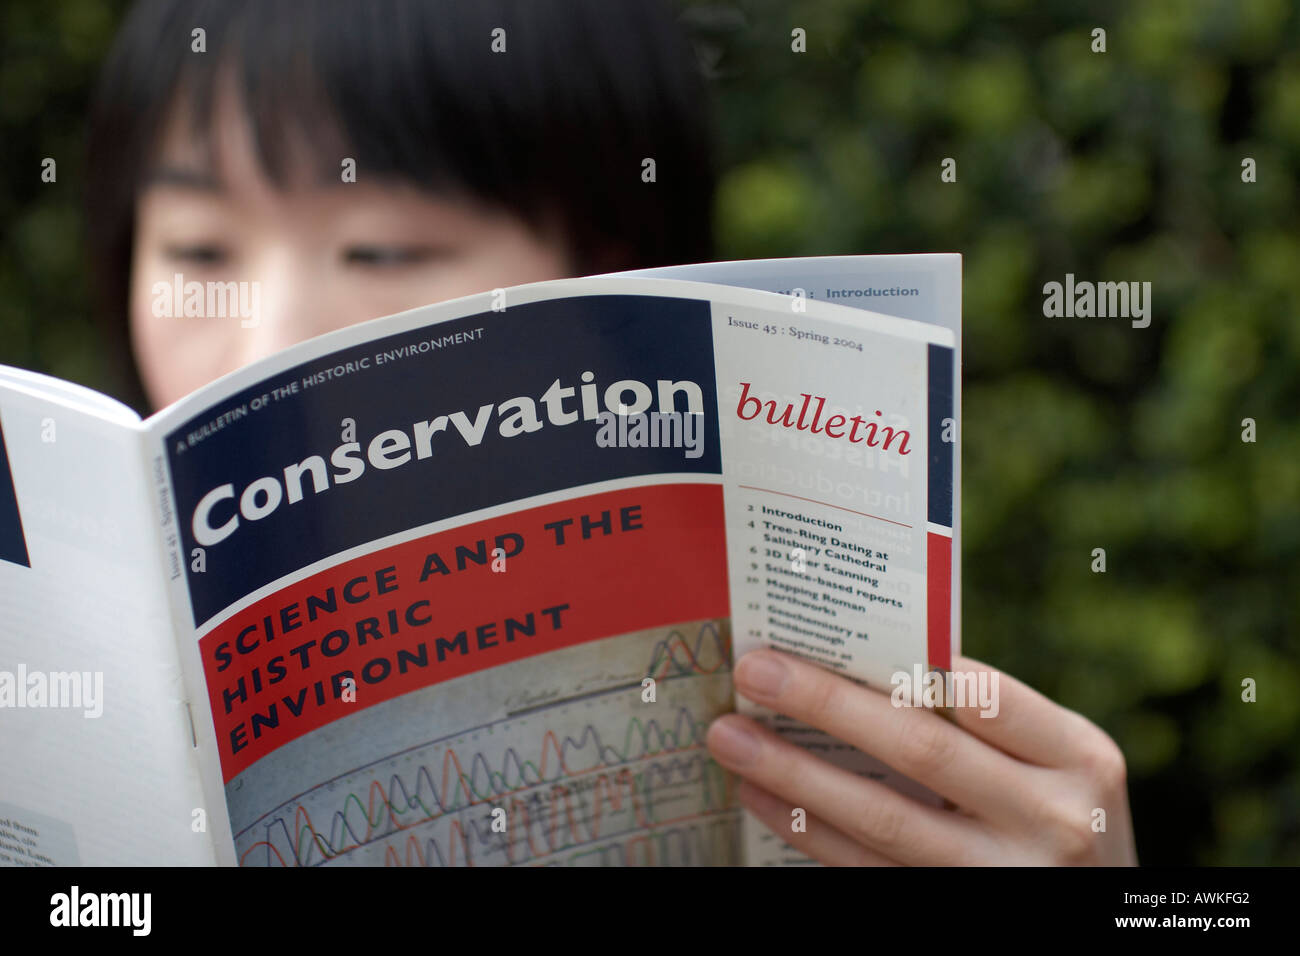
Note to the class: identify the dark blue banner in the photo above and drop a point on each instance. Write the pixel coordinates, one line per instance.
(13, 544)
(455, 443)
(940, 401)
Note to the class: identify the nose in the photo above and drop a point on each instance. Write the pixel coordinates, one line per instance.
(284, 306)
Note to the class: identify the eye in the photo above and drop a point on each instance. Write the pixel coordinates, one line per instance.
(389, 256)
(204, 254)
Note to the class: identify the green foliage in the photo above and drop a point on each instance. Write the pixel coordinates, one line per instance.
(1082, 433)
(50, 54)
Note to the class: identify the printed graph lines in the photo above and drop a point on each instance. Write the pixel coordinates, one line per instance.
(579, 772)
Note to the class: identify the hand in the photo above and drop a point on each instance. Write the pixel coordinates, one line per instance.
(1025, 782)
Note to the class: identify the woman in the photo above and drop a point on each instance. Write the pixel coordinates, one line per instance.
(356, 160)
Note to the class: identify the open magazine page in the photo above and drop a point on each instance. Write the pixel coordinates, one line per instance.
(95, 741)
(449, 609)
(69, 395)
(926, 288)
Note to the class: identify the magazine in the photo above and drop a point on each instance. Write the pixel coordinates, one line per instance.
(464, 585)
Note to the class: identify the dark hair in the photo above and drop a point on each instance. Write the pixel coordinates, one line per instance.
(558, 124)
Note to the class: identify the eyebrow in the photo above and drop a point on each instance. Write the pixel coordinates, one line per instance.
(178, 176)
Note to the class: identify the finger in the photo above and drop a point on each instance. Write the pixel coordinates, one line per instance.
(866, 811)
(915, 741)
(1025, 724)
(820, 840)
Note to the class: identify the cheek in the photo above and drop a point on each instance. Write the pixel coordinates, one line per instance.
(533, 259)
(525, 258)
(175, 355)
(151, 343)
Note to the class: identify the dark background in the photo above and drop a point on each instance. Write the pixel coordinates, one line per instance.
(1079, 433)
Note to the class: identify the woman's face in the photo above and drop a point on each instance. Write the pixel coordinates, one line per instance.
(310, 259)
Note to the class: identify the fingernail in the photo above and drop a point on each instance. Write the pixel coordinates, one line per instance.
(761, 674)
(732, 743)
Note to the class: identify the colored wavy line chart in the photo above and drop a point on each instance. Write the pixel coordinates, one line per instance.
(575, 771)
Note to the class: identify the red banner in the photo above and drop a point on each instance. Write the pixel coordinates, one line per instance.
(433, 609)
